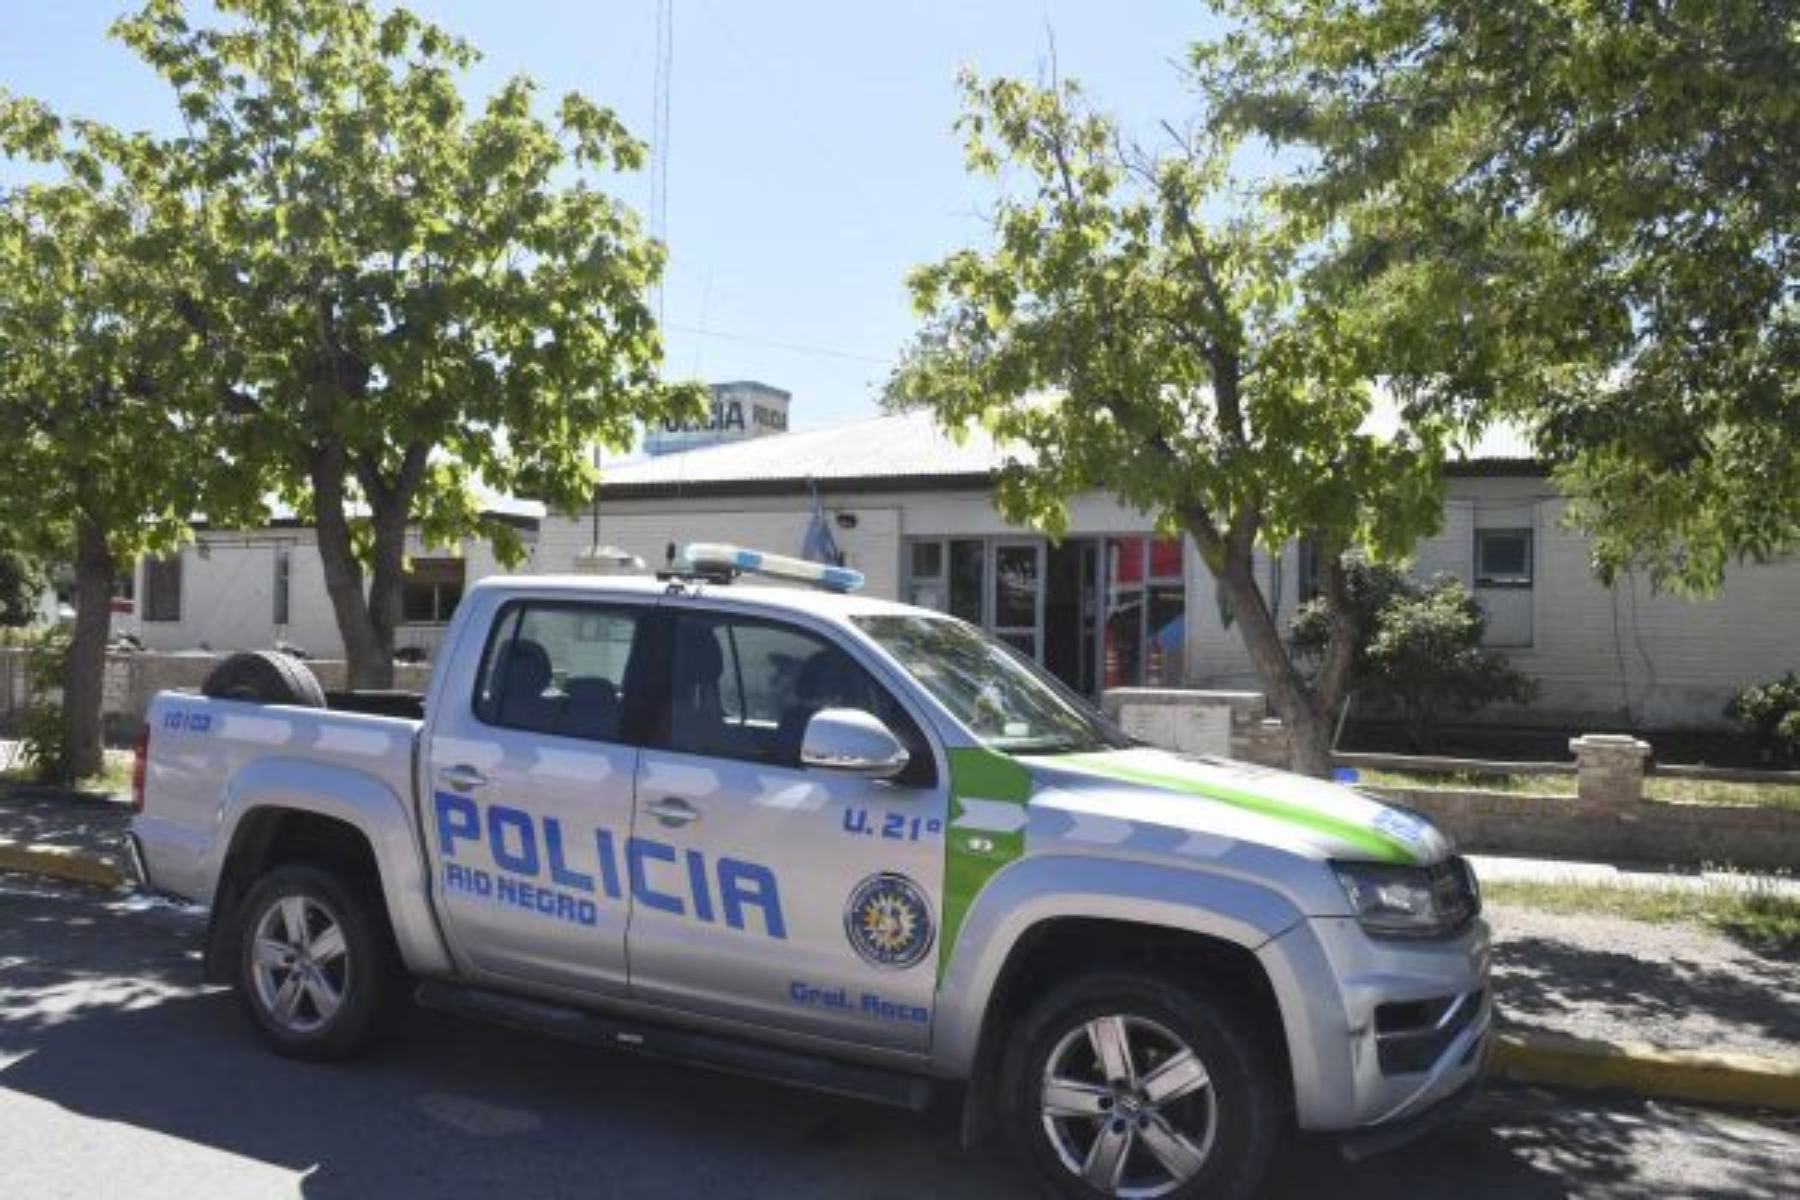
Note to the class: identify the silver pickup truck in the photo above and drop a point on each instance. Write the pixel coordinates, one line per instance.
(835, 842)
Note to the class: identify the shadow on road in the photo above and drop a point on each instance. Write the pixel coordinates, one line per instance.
(1538, 978)
(78, 820)
(103, 1003)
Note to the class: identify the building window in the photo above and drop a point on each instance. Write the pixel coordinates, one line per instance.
(950, 576)
(432, 590)
(283, 584)
(1145, 613)
(162, 588)
(1503, 558)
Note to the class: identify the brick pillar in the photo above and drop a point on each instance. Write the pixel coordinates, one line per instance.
(1609, 770)
(1265, 742)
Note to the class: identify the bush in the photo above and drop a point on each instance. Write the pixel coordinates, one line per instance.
(1772, 713)
(41, 735)
(22, 583)
(1418, 654)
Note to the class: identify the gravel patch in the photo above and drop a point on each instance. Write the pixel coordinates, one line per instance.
(1678, 987)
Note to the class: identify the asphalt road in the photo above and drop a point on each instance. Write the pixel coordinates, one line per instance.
(120, 1076)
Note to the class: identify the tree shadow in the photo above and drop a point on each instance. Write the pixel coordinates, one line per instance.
(1538, 982)
(41, 815)
(104, 1016)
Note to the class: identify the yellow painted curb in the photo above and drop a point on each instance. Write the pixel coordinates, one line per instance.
(1741, 1080)
(59, 862)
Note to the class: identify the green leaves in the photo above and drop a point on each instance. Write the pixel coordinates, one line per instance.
(1578, 215)
(393, 271)
(1141, 330)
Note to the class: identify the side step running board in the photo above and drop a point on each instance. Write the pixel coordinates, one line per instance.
(724, 1054)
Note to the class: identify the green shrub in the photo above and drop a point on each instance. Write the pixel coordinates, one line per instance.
(1419, 655)
(42, 734)
(22, 583)
(1771, 711)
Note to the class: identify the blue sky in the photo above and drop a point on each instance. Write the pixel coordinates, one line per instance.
(812, 159)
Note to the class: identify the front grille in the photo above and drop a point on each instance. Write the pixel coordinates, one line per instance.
(1410, 1037)
(1456, 893)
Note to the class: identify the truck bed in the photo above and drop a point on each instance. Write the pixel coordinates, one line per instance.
(206, 756)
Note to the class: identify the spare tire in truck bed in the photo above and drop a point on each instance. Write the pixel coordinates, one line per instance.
(264, 677)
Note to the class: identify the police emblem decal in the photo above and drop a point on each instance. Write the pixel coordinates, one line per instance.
(888, 921)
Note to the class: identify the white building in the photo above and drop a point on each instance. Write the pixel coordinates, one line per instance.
(235, 589)
(1109, 605)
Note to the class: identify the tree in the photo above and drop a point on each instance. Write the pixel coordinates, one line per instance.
(403, 300)
(1135, 330)
(22, 583)
(1606, 196)
(105, 457)
(1419, 654)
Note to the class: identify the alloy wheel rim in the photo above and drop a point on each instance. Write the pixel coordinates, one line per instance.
(1128, 1106)
(300, 964)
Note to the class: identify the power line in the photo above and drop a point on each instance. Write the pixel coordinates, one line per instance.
(777, 344)
(659, 132)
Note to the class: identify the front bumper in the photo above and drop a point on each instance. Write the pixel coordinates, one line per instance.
(1379, 1032)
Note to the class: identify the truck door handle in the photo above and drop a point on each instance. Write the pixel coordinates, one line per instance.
(462, 778)
(673, 811)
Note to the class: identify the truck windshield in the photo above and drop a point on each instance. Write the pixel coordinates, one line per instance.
(1006, 700)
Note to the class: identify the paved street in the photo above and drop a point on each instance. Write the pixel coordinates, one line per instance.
(119, 1076)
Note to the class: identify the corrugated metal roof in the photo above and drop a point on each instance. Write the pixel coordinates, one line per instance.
(898, 448)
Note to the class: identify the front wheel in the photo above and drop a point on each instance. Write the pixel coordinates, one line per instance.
(1133, 1086)
(316, 966)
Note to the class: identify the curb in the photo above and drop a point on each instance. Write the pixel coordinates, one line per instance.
(1558, 1060)
(60, 863)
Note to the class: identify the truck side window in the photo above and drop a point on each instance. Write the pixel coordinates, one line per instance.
(558, 668)
(745, 689)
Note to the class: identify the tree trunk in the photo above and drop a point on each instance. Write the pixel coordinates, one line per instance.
(1306, 713)
(84, 684)
(368, 649)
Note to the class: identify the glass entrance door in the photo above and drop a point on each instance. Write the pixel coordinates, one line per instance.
(1018, 596)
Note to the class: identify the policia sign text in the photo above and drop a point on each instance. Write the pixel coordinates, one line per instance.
(540, 872)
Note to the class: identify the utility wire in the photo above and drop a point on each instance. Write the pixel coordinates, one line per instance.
(777, 344)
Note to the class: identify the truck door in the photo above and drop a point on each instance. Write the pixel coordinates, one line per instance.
(530, 795)
(770, 893)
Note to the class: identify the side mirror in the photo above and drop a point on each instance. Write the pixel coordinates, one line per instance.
(853, 742)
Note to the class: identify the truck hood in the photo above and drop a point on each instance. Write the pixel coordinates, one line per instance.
(1155, 801)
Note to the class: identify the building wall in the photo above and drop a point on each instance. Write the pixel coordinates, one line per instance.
(1619, 656)
(1603, 656)
(228, 594)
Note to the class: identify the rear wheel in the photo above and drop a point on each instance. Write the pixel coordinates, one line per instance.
(1132, 1086)
(317, 969)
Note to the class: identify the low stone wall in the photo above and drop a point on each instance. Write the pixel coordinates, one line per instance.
(1227, 724)
(1649, 831)
(132, 680)
(1608, 818)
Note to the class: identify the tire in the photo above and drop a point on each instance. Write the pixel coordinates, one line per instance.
(264, 677)
(343, 986)
(1219, 1128)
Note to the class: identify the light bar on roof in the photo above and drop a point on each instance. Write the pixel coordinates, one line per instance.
(719, 556)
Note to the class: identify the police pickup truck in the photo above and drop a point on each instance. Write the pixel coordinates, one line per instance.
(835, 842)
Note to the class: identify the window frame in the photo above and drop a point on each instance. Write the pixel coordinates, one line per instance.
(157, 614)
(635, 704)
(283, 587)
(1513, 582)
(921, 771)
(409, 580)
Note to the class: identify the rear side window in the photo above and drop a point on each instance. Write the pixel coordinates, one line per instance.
(559, 668)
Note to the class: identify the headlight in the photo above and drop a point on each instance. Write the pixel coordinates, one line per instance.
(1400, 902)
